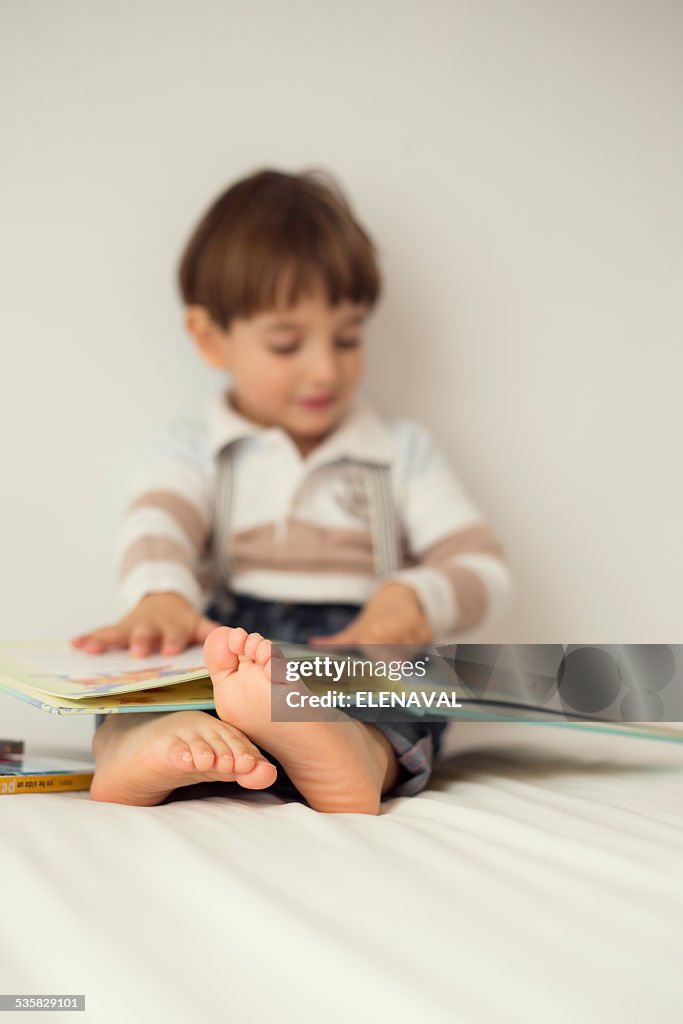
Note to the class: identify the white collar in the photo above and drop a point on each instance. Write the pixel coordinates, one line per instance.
(361, 435)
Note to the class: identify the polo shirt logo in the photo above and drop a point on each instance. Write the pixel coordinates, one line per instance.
(351, 494)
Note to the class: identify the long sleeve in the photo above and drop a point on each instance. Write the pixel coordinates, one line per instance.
(458, 567)
(163, 536)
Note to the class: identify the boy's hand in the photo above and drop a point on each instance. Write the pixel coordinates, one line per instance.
(393, 615)
(160, 621)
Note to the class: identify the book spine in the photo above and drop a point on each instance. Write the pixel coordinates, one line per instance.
(9, 786)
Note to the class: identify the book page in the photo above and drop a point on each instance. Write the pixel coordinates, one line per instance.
(54, 667)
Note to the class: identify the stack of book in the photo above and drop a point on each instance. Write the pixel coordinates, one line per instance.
(22, 774)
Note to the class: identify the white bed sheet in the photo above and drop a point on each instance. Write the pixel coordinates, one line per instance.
(539, 877)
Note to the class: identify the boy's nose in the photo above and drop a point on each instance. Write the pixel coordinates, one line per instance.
(323, 369)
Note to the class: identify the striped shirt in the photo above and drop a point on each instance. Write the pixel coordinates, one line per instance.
(301, 529)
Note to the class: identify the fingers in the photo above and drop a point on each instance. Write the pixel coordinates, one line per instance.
(99, 640)
(143, 640)
(164, 626)
(173, 640)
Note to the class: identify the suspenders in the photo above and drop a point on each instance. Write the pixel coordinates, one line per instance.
(383, 518)
(221, 550)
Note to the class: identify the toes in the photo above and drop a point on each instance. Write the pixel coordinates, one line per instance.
(224, 760)
(251, 644)
(263, 651)
(225, 647)
(225, 764)
(256, 648)
(236, 640)
(247, 759)
(244, 761)
(202, 755)
(263, 774)
(219, 658)
(245, 754)
(180, 755)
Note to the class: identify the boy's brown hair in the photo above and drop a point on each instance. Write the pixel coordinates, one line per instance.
(271, 238)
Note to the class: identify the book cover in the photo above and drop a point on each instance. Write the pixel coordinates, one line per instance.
(20, 773)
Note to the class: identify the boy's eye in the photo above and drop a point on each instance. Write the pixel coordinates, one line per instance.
(285, 350)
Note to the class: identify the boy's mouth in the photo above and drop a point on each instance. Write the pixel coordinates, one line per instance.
(317, 401)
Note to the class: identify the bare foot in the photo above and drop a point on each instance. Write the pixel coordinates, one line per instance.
(141, 758)
(340, 765)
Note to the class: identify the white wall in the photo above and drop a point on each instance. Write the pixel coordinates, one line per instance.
(519, 165)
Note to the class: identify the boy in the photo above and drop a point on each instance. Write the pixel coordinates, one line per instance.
(332, 522)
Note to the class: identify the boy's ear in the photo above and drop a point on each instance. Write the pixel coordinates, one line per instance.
(209, 338)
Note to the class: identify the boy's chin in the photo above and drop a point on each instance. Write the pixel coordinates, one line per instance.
(311, 420)
(311, 430)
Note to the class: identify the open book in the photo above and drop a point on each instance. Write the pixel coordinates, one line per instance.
(54, 677)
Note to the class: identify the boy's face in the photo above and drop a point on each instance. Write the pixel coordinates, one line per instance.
(296, 368)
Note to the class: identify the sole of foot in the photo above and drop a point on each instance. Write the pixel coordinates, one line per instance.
(336, 764)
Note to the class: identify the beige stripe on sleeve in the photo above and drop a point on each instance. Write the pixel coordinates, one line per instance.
(156, 547)
(187, 515)
(470, 592)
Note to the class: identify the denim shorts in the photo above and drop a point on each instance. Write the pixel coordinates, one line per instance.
(416, 743)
